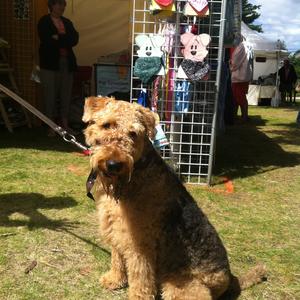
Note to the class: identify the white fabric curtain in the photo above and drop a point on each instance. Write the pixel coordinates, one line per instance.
(103, 27)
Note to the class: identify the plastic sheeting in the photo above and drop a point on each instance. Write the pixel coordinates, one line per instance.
(257, 40)
(263, 47)
(257, 92)
(103, 27)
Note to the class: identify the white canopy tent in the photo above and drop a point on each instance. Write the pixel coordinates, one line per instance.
(267, 54)
(267, 57)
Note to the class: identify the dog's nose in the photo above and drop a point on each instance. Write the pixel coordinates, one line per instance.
(193, 52)
(114, 166)
(148, 53)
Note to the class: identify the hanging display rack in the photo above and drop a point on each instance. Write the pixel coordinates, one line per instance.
(183, 90)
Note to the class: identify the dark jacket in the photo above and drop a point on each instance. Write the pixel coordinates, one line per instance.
(291, 78)
(49, 47)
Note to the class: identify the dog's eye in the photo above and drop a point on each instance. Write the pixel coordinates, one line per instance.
(91, 122)
(106, 125)
(133, 135)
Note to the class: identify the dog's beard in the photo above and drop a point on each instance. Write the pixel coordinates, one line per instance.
(109, 183)
(113, 185)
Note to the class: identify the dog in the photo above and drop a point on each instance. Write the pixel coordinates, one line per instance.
(162, 244)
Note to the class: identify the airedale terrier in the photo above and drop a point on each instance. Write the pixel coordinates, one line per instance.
(162, 244)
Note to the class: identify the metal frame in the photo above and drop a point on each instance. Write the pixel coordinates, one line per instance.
(191, 133)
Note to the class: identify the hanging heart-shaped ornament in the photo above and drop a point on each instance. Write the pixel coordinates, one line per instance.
(164, 2)
(198, 5)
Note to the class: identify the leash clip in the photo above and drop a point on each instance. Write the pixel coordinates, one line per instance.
(69, 138)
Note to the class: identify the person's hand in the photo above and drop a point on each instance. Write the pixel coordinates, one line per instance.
(55, 36)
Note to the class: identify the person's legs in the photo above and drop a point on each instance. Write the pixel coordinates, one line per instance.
(244, 102)
(49, 92)
(244, 110)
(291, 96)
(289, 92)
(235, 95)
(235, 110)
(281, 97)
(239, 91)
(282, 93)
(65, 92)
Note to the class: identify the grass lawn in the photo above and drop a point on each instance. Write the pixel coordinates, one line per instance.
(45, 216)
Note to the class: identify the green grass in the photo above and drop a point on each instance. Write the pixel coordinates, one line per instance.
(45, 215)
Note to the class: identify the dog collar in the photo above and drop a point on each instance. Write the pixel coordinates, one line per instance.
(145, 160)
(90, 183)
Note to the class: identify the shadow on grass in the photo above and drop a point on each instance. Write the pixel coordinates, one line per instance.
(286, 136)
(29, 205)
(35, 138)
(243, 150)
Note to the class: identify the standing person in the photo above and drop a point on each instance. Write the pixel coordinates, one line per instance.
(241, 75)
(288, 78)
(57, 61)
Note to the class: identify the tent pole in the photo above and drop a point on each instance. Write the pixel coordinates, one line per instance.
(277, 57)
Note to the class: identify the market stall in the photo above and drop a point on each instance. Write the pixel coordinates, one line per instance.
(267, 56)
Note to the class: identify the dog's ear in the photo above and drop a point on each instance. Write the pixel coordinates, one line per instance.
(148, 120)
(88, 111)
(93, 105)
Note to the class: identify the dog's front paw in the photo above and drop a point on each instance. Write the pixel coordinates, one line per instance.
(139, 296)
(112, 281)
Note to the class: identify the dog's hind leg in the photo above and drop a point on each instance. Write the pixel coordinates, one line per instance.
(115, 278)
(195, 286)
(182, 289)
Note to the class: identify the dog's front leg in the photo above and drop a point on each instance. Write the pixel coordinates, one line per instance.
(116, 277)
(141, 277)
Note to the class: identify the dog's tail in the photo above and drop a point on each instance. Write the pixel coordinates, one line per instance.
(254, 276)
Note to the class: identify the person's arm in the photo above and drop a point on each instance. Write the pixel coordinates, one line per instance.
(294, 76)
(238, 57)
(70, 38)
(46, 34)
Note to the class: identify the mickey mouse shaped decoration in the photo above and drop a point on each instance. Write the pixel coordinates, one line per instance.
(195, 51)
(149, 62)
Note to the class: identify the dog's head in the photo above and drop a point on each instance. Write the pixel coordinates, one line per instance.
(117, 132)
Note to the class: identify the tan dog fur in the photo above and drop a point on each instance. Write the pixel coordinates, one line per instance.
(161, 243)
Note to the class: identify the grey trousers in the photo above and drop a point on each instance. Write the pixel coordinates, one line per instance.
(57, 90)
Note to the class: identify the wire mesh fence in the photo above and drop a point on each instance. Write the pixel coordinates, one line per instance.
(186, 108)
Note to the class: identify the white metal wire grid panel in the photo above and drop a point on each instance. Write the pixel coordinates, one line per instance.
(189, 123)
